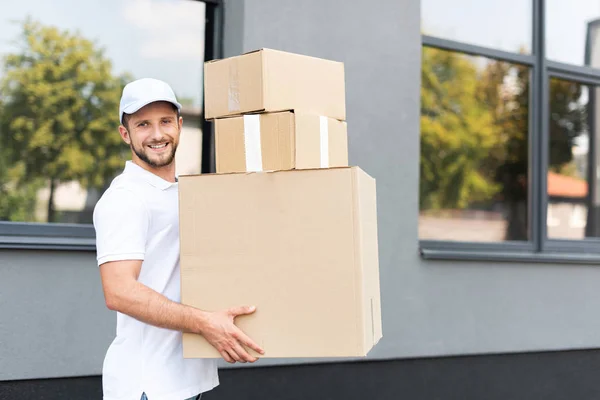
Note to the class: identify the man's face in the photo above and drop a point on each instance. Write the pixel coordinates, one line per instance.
(153, 133)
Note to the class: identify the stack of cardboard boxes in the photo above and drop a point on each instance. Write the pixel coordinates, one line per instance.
(285, 224)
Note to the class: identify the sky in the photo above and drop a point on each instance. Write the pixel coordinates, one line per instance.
(507, 24)
(163, 39)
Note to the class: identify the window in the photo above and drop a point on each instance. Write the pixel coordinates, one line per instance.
(63, 65)
(571, 31)
(499, 24)
(509, 113)
(474, 148)
(569, 156)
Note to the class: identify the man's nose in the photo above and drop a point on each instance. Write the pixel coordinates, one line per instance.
(156, 132)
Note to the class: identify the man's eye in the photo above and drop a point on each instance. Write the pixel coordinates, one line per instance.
(166, 121)
(142, 124)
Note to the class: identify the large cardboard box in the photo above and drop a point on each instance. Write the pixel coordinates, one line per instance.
(272, 80)
(300, 245)
(280, 141)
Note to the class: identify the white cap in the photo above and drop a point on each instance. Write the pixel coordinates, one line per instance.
(142, 92)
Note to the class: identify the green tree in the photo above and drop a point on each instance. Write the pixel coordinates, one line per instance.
(504, 89)
(17, 202)
(567, 121)
(59, 105)
(475, 134)
(457, 134)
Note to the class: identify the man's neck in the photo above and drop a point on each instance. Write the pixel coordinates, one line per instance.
(167, 172)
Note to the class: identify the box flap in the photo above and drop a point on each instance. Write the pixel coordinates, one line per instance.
(206, 175)
(226, 58)
(311, 84)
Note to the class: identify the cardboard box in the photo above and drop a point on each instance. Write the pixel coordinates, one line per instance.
(270, 80)
(279, 141)
(300, 245)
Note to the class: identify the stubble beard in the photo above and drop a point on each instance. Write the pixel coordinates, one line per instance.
(143, 155)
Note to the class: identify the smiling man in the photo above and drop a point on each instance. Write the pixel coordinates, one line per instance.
(137, 240)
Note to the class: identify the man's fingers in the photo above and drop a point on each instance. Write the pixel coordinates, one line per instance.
(239, 349)
(227, 357)
(235, 354)
(249, 342)
(235, 311)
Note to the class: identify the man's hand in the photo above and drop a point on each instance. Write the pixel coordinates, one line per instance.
(222, 333)
(125, 294)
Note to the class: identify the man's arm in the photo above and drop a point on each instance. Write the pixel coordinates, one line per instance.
(123, 293)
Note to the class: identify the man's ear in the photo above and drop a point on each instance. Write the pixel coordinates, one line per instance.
(124, 134)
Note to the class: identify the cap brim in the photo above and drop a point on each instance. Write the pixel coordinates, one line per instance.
(130, 109)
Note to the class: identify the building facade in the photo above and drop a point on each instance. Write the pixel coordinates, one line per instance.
(484, 296)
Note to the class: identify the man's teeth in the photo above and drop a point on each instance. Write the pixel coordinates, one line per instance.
(158, 146)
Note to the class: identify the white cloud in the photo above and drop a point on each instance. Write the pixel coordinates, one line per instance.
(181, 47)
(170, 28)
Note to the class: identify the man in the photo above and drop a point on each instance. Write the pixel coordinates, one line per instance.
(137, 233)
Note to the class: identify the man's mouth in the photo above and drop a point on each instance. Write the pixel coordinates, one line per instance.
(158, 146)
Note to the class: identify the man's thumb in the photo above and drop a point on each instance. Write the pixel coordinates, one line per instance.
(242, 310)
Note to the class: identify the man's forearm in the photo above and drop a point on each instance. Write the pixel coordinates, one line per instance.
(142, 303)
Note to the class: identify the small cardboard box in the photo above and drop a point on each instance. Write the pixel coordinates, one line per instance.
(300, 245)
(271, 80)
(279, 141)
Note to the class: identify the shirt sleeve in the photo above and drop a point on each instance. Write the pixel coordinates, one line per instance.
(121, 222)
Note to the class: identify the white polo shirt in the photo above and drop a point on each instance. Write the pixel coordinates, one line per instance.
(137, 218)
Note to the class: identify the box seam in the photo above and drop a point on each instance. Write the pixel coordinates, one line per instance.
(294, 143)
(264, 82)
(358, 273)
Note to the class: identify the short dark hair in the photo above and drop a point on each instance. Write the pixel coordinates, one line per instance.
(126, 116)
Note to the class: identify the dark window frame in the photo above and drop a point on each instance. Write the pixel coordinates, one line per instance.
(81, 237)
(539, 248)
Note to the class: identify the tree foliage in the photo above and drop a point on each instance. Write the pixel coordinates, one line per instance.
(475, 149)
(457, 134)
(58, 112)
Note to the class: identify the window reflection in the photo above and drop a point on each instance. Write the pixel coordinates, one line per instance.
(573, 190)
(62, 68)
(474, 148)
(572, 31)
(503, 25)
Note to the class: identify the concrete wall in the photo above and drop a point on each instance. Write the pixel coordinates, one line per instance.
(52, 316)
(53, 321)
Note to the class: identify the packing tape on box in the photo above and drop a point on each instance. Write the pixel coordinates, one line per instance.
(324, 133)
(252, 143)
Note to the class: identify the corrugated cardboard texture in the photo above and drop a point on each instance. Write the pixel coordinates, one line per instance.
(276, 142)
(272, 80)
(230, 153)
(308, 149)
(288, 141)
(234, 85)
(293, 244)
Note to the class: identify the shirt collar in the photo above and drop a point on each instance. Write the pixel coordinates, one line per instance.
(153, 179)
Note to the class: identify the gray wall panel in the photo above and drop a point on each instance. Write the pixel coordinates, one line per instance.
(234, 26)
(53, 320)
